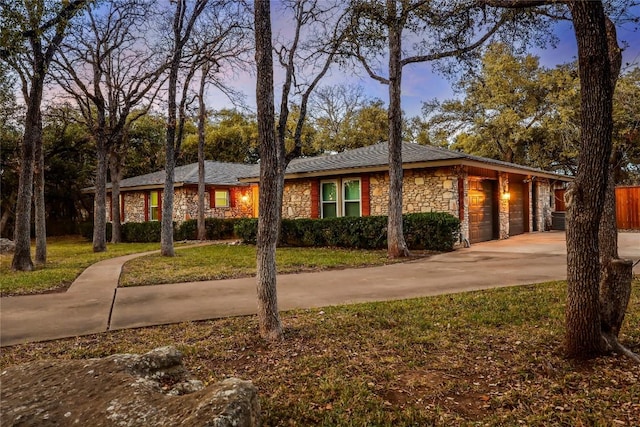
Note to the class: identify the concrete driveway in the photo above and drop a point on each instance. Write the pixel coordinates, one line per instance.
(94, 303)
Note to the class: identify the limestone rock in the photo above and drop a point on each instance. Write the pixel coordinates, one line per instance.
(7, 246)
(153, 389)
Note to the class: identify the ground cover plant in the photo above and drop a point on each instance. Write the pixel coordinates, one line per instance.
(67, 257)
(487, 358)
(231, 261)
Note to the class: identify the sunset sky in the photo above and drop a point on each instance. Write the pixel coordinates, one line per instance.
(420, 83)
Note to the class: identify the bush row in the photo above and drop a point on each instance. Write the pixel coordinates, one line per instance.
(433, 231)
(142, 232)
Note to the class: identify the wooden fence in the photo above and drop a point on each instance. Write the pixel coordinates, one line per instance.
(627, 206)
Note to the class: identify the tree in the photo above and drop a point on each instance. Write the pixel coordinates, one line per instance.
(513, 110)
(10, 148)
(69, 155)
(344, 118)
(305, 60)
(230, 136)
(271, 170)
(218, 44)
(32, 31)
(183, 22)
(589, 241)
(113, 77)
(447, 30)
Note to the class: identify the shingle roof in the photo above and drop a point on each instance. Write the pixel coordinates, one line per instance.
(377, 155)
(372, 155)
(216, 173)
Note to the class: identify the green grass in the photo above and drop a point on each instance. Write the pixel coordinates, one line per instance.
(487, 358)
(230, 261)
(66, 258)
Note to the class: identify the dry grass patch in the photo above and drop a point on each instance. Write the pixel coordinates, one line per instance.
(483, 358)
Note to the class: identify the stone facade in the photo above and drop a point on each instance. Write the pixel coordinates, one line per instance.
(296, 199)
(424, 190)
(503, 206)
(185, 205)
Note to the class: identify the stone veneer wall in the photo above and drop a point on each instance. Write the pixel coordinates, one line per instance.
(424, 190)
(544, 207)
(296, 199)
(503, 206)
(185, 205)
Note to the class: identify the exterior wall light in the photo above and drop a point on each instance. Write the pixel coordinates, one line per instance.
(506, 195)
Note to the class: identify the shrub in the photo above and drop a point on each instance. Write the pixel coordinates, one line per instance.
(432, 231)
(246, 229)
(141, 232)
(220, 228)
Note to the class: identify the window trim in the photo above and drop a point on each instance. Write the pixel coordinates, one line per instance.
(344, 195)
(151, 206)
(214, 200)
(323, 202)
(341, 199)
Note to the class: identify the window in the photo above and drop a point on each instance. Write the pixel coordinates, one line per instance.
(351, 197)
(154, 206)
(329, 199)
(221, 198)
(347, 202)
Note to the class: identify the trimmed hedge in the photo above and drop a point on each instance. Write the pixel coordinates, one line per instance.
(150, 231)
(217, 229)
(433, 231)
(132, 232)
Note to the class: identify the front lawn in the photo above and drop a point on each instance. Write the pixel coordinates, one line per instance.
(487, 358)
(231, 261)
(67, 257)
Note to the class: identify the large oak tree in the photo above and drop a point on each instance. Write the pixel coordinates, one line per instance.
(31, 33)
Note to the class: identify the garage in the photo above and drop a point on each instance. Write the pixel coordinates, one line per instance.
(481, 211)
(516, 208)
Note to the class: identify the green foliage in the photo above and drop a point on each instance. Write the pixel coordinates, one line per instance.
(141, 232)
(431, 231)
(246, 229)
(217, 229)
(230, 136)
(132, 232)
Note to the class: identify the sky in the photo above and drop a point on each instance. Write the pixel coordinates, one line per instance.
(420, 83)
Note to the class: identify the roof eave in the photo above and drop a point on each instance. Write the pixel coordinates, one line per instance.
(419, 165)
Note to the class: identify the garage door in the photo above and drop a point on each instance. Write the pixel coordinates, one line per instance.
(516, 209)
(480, 211)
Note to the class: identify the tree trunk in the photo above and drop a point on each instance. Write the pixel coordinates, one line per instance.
(271, 179)
(40, 210)
(166, 232)
(32, 134)
(100, 204)
(396, 244)
(202, 120)
(587, 193)
(116, 176)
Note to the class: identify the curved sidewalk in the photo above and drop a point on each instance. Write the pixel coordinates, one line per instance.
(95, 304)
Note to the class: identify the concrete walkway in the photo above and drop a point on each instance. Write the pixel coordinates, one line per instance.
(95, 304)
